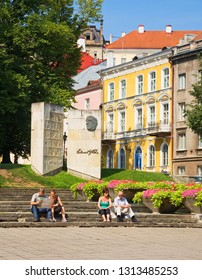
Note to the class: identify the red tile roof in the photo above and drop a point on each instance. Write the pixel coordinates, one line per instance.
(150, 39)
(87, 61)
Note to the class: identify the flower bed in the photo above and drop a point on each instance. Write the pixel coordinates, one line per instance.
(157, 190)
(192, 199)
(169, 199)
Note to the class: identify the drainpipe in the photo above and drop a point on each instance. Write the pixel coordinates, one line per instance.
(172, 69)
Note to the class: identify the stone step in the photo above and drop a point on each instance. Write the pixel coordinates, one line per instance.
(93, 216)
(25, 197)
(13, 206)
(26, 194)
(15, 212)
(97, 224)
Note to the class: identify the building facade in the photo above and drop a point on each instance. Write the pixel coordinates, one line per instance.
(93, 42)
(89, 97)
(187, 146)
(142, 42)
(137, 114)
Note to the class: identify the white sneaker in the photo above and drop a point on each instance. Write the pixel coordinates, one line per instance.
(54, 220)
(64, 220)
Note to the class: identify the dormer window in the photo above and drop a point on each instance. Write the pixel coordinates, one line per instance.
(87, 36)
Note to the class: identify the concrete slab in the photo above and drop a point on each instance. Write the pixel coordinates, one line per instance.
(110, 243)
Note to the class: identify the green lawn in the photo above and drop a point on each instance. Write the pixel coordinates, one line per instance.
(22, 175)
(27, 175)
(140, 176)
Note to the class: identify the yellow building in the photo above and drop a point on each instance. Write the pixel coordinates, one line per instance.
(137, 114)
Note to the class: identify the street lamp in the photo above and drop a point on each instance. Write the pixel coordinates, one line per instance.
(64, 157)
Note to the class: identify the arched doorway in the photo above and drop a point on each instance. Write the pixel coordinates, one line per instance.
(138, 158)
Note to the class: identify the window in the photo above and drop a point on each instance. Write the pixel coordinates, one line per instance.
(200, 142)
(151, 156)
(122, 159)
(122, 121)
(110, 122)
(182, 141)
(138, 118)
(165, 78)
(165, 108)
(152, 81)
(181, 170)
(111, 91)
(123, 89)
(123, 60)
(139, 81)
(181, 111)
(87, 103)
(165, 154)
(114, 61)
(87, 36)
(182, 81)
(199, 170)
(110, 159)
(151, 116)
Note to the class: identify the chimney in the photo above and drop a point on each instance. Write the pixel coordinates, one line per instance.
(110, 38)
(110, 59)
(101, 30)
(123, 34)
(168, 28)
(141, 28)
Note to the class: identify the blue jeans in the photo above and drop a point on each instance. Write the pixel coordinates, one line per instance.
(37, 211)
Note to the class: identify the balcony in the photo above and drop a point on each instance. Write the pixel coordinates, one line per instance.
(108, 136)
(160, 129)
(113, 136)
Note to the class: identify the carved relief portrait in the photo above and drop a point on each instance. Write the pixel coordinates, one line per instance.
(91, 123)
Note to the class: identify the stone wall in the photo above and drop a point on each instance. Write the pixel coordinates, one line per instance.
(47, 138)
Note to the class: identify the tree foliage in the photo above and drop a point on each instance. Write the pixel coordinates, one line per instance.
(194, 111)
(38, 57)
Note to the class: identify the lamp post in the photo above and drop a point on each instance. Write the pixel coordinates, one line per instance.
(64, 158)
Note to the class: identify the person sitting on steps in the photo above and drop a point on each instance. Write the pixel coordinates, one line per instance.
(38, 206)
(122, 207)
(104, 205)
(57, 206)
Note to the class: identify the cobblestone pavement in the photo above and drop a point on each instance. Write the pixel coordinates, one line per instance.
(100, 243)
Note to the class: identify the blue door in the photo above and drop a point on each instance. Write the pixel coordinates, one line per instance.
(138, 159)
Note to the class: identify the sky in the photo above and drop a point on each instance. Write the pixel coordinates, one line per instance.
(125, 15)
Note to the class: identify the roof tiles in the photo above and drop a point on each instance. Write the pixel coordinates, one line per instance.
(150, 39)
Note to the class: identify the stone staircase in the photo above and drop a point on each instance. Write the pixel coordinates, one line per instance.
(15, 212)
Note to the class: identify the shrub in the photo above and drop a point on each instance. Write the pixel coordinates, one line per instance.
(88, 188)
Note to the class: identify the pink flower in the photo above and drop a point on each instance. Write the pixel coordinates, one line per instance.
(81, 185)
(149, 193)
(191, 192)
(114, 183)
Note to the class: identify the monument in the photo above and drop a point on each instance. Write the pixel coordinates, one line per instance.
(47, 138)
(84, 143)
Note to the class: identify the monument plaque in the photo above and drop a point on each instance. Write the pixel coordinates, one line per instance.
(47, 138)
(84, 143)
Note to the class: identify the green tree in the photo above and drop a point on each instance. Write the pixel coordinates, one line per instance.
(38, 57)
(194, 111)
